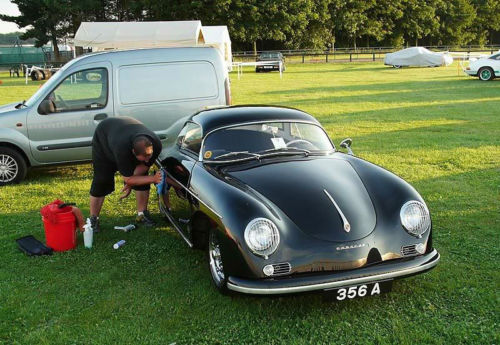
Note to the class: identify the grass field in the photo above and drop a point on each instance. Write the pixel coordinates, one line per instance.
(438, 130)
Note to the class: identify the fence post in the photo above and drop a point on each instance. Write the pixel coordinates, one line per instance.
(373, 56)
(350, 57)
(303, 57)
(326, 56)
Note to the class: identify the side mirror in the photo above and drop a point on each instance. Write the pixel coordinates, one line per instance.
(46, 107)
(346, 144)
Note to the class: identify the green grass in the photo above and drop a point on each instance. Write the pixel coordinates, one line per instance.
(437, 129)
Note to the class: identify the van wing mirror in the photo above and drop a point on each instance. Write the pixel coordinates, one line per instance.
(46, 107)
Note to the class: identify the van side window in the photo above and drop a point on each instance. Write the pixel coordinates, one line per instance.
(82, 90)
(190, 137)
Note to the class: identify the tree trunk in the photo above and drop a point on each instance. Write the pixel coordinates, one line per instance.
(57, 56)
(255, 48)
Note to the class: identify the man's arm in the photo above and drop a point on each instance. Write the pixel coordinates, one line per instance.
(139, 179)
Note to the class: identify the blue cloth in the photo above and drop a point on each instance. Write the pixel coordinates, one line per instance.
(162, 187)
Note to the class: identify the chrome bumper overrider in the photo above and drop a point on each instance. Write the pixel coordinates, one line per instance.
(389, 270)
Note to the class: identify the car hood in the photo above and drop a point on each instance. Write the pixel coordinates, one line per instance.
(298, 188)
(8, 107)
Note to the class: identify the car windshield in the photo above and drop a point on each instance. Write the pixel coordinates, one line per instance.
(256, 141)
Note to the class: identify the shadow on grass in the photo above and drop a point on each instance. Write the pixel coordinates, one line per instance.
(411, 85)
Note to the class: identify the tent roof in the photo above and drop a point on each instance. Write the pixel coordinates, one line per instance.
(215, 34)
(126, 35)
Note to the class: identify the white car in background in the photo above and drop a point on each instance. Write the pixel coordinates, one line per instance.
(486, 68)
(418, 56)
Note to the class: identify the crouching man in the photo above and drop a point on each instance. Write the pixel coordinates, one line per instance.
(125, 145)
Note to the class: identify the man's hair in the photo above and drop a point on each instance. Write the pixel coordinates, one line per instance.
(140, 144)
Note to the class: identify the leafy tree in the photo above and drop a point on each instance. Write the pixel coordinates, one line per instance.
(47, 20)
(418, 20)
(456, 19)
(487, 21)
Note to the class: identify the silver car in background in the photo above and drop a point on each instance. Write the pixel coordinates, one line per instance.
(159, 87)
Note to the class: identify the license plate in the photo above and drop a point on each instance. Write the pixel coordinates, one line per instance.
(362, 290)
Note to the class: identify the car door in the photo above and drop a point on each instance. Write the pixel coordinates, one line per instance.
(62, 124)
(179, 164)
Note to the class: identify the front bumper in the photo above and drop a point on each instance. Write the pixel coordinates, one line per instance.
(471, 73)
(394, 269)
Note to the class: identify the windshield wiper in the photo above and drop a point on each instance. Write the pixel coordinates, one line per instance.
(23, 104)
(230, 154)
(283, 150)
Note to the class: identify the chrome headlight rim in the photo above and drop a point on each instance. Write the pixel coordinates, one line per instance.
(426, 221)
(265, 251)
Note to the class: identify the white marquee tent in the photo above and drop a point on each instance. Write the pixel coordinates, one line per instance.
(129, 35)
(218, 36)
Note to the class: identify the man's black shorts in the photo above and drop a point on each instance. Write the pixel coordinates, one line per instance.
(103, 182)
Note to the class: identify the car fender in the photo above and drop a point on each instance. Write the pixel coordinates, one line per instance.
(232, 206)
(388, 193)
(13, 138)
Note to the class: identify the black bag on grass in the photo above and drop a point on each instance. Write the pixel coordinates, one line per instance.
(33, 247)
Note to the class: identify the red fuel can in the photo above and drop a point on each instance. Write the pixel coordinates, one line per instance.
(60, 226)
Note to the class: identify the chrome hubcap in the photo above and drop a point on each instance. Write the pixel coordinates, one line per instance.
(8, 168)
(216, 267)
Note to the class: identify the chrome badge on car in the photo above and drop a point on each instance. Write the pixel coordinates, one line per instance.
(347, 226)
(352, 246)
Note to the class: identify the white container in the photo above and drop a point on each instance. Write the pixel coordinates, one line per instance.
(118, 244)
(88, 234)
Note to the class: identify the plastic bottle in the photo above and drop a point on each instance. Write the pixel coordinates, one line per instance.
(118, 244)
(88, 234)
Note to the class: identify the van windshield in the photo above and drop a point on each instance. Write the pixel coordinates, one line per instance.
(50, 84)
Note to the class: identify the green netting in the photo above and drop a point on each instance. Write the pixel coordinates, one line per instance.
(21, 55)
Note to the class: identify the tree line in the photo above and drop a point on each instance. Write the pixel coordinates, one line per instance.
(283, 24)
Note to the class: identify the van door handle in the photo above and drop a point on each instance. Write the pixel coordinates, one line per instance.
(100, 116)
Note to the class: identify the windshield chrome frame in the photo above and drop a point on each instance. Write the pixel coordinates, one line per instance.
(200, 156)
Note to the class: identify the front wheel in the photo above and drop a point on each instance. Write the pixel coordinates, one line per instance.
(486, 73)
(13, 167)
(215, 265)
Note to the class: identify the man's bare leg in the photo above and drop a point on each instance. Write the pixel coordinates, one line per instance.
(142, 198)
(96, 205)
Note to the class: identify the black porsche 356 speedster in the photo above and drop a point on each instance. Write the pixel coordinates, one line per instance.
(280, 210)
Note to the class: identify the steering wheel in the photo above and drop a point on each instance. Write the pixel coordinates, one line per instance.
(63, 102)
(297, 141)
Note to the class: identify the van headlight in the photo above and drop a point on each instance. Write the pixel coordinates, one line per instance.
(415, 218)
(262, 236)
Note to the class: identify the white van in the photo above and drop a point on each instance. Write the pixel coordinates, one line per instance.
(159, 87)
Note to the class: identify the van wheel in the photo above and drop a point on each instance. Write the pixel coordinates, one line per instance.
(13, 167)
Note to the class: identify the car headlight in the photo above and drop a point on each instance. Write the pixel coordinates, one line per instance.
(415, 218)
(262, 236)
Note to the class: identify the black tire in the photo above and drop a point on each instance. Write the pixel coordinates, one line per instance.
(397, 66)
(13, 167)
(486, 74)
(215, 267)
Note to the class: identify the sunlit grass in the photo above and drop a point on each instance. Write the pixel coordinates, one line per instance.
(436, 128)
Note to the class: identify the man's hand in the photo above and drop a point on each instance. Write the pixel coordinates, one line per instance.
(125, 191)
(157, 177)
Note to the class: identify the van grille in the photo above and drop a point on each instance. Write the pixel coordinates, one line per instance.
(282, 268)
(409, 250)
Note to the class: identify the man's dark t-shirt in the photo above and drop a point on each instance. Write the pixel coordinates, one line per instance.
(113, 143)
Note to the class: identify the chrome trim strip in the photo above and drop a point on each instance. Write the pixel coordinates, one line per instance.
(338, 283)
(347, 226)
(200, 157)
(158, 163)
(172, 221)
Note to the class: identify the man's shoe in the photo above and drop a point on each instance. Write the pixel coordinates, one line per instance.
(144, 218)
(94, 222)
